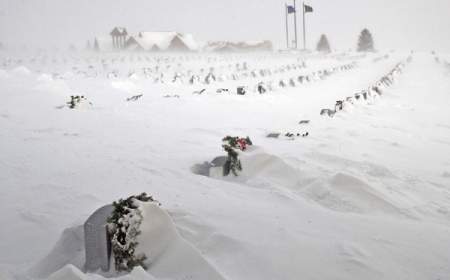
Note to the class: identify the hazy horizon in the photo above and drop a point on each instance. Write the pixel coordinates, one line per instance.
(401, 24)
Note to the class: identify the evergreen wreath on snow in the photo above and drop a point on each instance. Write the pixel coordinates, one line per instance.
(231, 145)
(123, 229)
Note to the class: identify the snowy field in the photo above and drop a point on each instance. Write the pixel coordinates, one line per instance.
(366, 195)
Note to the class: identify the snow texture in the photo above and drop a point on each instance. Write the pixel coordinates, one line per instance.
(365, 196)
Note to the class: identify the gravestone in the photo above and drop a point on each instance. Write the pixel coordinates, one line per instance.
(241, 90)
(96, 240)
(339, 105)
(219, 161)
(205, 168)
(261, 88)
(273, 135)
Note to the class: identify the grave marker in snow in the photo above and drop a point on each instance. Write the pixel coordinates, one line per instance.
(96, 240)
(241, 90)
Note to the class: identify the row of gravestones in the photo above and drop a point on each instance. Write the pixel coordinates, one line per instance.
(378, 59)
(442, 61)
(88, 57)
(89, 60)
(45, 59)
(373, 90)
(263, 87)
(105, 58)
(148, 72)
(210, 77)
(262, 73)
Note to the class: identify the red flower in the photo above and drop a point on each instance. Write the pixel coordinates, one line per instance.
(242, 144)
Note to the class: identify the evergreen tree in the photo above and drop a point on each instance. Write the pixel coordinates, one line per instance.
(96, 46)
(365, 41)
(323, 45)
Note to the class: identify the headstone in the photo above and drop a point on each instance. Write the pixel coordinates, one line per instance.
(97, 243)
(261, 88)
(219, 161)
(364, 94)
(327, 112)
(339, 105)
(273, 135)
(241, 90)
(205, 168)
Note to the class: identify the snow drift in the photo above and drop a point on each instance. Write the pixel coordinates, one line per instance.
(169, 256)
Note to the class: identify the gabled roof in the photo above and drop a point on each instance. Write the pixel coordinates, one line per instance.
(119, 31)
(162, 40)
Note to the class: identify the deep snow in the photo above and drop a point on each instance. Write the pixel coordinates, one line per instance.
(365, 196)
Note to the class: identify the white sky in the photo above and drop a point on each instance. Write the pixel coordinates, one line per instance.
(395, 24)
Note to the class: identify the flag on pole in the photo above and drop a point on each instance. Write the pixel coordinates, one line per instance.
(308, 9)
(291, 9)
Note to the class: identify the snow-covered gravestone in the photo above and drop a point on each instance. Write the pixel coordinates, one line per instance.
(241, 90)
(211, 168)
(96, 240)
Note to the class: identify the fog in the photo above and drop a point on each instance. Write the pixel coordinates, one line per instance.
(400, 24)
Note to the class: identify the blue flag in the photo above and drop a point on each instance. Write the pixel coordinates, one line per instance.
(290, 9)
(308, 9)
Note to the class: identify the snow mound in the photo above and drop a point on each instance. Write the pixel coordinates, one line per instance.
(3, 74)
(169, 256)
(125, 85)
(261, 169)
(70, 272)
(346, 193)
(21, 71)
(68, 250)
(47, 84)
(44, 78)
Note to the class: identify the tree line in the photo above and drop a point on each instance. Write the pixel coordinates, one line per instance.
(365, 42)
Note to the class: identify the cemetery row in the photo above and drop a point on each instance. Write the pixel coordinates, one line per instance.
(374, 90)
(123, 66)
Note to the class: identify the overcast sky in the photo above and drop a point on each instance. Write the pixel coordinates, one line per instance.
(395, 24)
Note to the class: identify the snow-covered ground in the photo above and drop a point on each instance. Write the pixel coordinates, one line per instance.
(365, 196)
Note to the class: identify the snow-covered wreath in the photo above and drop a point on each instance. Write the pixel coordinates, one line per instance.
(123, 229)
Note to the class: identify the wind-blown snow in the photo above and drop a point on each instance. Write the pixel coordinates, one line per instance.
(365, 196)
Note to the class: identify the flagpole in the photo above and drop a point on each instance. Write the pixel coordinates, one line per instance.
(304, 29)
(287, 28)
(295, 24)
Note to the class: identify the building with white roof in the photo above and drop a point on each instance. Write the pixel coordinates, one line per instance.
(119, 39)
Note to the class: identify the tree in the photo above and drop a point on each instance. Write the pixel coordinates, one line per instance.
(323, 45)
(365, 41)
(96, 46)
